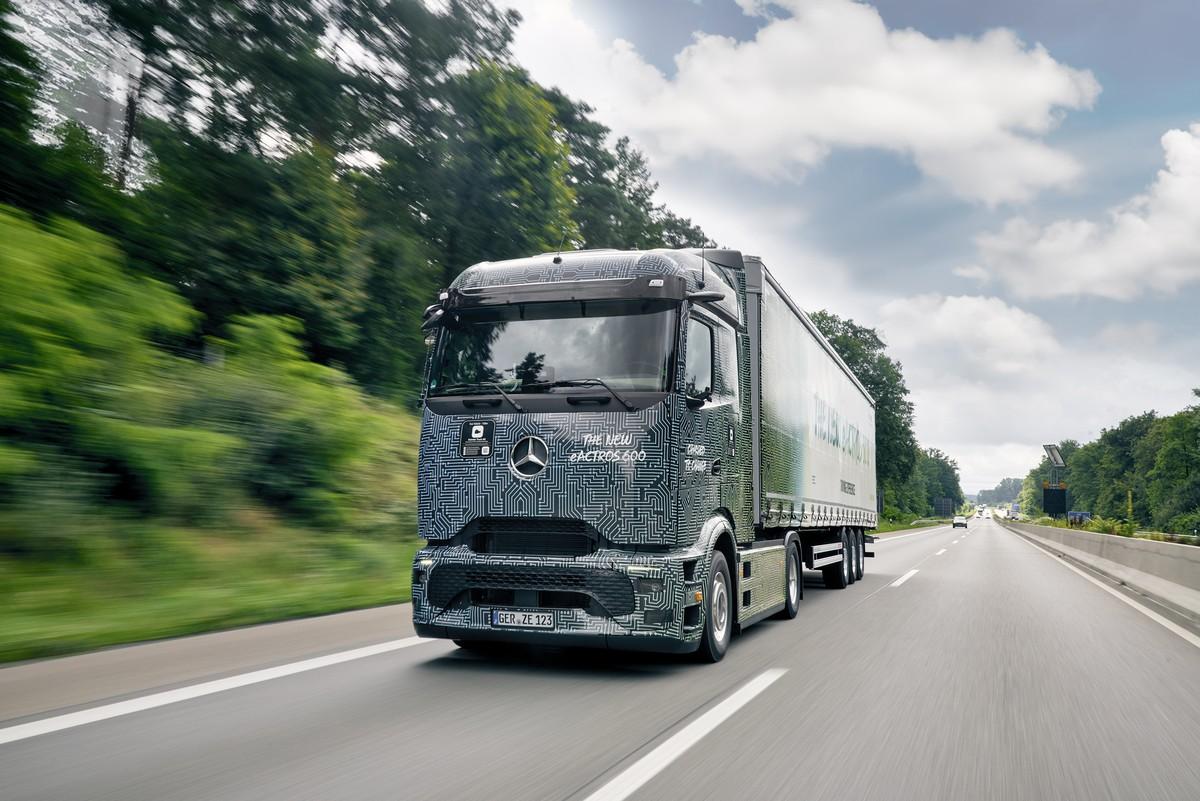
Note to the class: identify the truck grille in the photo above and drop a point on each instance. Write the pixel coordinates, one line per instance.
(530, 536)
(609, 589)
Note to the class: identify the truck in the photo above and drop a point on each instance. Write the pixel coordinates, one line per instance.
(635, 450)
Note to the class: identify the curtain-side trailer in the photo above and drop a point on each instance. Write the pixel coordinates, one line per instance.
(633, 450)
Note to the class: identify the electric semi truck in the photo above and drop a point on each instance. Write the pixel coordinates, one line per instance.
(633, 450)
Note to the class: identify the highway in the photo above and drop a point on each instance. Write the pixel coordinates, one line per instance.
(992, 671)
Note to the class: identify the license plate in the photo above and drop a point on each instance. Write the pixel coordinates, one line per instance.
(520, 619)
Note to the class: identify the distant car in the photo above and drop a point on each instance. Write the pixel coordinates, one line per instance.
(959, 521)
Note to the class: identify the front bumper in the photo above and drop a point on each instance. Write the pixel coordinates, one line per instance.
(627, 601)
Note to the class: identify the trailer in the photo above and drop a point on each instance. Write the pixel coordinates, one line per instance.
(634, 450)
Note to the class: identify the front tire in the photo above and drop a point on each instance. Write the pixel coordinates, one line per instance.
(718, 620)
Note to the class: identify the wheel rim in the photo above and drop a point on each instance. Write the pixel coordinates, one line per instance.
(720, 607)
(793, 578)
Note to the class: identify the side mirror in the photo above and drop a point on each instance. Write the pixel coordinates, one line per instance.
(696, 401)
(706, 296)
(433, 320)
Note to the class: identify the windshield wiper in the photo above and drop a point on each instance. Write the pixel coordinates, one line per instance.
(586, 382)
(467, 386)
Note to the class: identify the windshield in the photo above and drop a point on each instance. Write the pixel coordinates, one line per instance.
(529, 347)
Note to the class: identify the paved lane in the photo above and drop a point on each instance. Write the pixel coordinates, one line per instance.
(992, 672)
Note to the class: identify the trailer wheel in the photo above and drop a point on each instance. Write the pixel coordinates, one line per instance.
(718, 622)
(860, 549)
(794, 584)
(838, 576)
(852, 566)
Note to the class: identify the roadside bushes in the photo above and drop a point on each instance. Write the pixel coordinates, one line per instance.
(99, 418)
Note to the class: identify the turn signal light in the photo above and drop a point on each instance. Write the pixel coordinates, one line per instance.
(699, 596)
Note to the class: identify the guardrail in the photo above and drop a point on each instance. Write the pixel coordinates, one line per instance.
(1166, 572)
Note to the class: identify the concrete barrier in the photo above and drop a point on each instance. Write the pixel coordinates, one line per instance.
(1166, 572)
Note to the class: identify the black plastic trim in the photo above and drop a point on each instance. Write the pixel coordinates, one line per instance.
(653, 643)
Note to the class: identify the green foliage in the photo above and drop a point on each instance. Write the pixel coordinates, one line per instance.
(179, 581)
(1145, 471)
(249, 72)
(19, 72)
(310, 440)
(504, 173)
(86, 393)
(242, 235)
(1005, 492)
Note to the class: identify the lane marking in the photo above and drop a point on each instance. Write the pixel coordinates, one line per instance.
(632, 778)
(954, 543)
(939, 553)
(70, 720)
(904, 578)
(1171, 626)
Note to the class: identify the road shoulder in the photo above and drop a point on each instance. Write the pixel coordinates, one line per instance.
(50, 685)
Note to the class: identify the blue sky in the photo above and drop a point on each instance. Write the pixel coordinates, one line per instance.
(980, 180)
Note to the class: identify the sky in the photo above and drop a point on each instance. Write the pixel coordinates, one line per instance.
(1009, 191)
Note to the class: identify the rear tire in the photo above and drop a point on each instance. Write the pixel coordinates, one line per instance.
(860, 561)
(838, 576)
(852, 542)
(793, 586)
(718, 618)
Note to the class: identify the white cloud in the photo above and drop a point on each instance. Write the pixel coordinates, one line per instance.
(825, 74)
(1130, 335)
(969, 334)
(990, 382)
(973, 272)
(1150, 243)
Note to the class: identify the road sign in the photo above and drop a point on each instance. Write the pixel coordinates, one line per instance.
(1054, 501)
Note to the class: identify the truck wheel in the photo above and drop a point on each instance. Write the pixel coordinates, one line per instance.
(860, 560)
(793, 584)
(852, 567)
(838, 576)
(718, 622)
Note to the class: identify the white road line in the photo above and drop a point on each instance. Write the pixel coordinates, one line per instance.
(939, 553)
(1171, 626)
(70, 720)
(954, 543)
(904, 578)
(627, 782)
(914, 534)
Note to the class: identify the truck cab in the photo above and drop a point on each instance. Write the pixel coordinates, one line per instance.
(588, 461)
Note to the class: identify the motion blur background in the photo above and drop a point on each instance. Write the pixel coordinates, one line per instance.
(220, 224)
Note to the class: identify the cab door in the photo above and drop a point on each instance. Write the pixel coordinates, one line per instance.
(709, 478)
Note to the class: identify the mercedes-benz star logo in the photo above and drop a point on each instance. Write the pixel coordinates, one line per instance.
(529, 457)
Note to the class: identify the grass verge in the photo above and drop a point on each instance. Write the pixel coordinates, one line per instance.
(156, 582)
(886, 526)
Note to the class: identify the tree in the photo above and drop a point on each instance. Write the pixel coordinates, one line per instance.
(501, 189)
(334, 74)
(19, 73)
(240, 235)
(1005, 492)
(940, 474)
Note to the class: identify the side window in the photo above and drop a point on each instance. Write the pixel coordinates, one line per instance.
(699, 368)
(727, 363)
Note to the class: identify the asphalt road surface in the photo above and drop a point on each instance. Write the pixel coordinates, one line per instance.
(992, 672)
